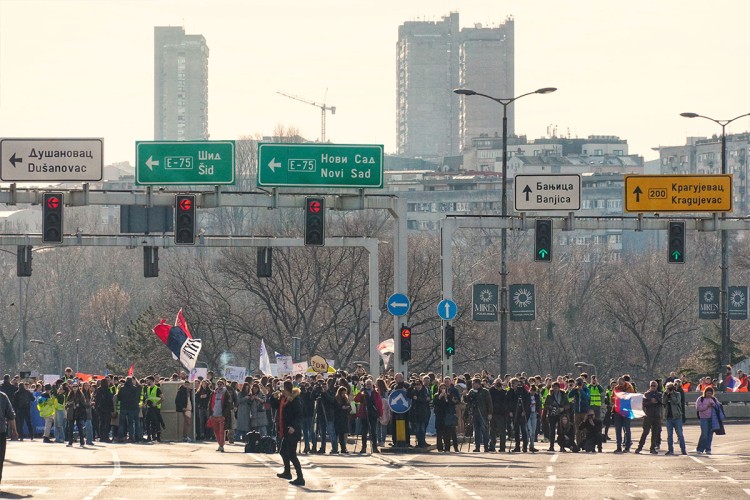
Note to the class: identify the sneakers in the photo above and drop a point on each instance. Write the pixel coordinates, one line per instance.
(220, 448)
(618, 450)
(300, 481)
(654, 452)
(69, 445)
(637, 451)
(82, 446)
(669, 453)
(187, 439)
(47, 440)
(683, 452)
(551, 448)
(284, 475)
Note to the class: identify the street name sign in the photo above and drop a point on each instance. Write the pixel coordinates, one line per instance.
(184, 162)
(320, 165)
(61, 160)
(547, 192)
(678, 193)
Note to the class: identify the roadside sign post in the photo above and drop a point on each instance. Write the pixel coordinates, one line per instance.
(184, 162)
(320, 165)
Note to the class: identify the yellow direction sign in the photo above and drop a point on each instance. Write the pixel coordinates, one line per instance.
(678, 193)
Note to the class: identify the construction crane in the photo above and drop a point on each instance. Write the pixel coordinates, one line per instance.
(323, 109)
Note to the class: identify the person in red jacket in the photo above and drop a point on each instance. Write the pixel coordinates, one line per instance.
(370, 410)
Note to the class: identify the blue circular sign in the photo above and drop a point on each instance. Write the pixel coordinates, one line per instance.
(447, 309)
(398, 304)
(399, 401)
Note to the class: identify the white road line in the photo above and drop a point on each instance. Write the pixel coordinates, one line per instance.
(747, 491)
(550, 492)
(730, 479)
(554, 457)
(116, 472)
(696, 459)
(549, 468)
(552, 478)
(712, 469)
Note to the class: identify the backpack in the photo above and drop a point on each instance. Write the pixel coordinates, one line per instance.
(267, 444)
(252, 442)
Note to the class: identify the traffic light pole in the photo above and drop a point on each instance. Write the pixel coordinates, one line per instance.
(400, 269)
(446, 274)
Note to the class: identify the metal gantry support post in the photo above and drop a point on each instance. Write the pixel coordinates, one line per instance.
(400, 269)
(447, 230)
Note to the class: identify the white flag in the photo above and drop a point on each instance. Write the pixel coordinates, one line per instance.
(189, 353)
(264, 365)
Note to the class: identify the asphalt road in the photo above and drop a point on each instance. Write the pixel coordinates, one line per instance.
(189, 470)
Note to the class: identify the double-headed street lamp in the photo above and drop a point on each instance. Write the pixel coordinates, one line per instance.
(503, 232)
(724, 292)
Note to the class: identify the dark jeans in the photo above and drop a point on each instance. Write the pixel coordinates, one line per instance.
(552, 423)
(446, 434)
(288, 454)
(307, 432)
(420, 430)
(79, 422)
(369, 425)
(622, 423)
(3, 443)
(480, 431)
(24, 415)
(105, 420)
(497, 427)
(127, 423)
(520, 431)
(652, 425)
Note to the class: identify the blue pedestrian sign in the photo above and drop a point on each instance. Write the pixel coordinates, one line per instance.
(398, 304)
(399, 401)
(447, 309)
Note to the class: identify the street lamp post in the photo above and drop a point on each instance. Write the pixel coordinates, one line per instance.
(504, 212)
(582, 364)
(78, 341)
(724, 292)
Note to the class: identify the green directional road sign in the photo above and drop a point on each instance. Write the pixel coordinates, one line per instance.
(184, 162)
(320, 165)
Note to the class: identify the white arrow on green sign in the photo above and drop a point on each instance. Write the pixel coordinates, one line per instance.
(184, 162)
(320, 165)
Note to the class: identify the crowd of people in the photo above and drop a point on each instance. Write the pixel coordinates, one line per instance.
(317, 412)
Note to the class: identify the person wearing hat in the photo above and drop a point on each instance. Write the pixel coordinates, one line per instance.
(290, 420)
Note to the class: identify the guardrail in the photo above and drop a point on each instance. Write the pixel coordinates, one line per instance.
(736, 404)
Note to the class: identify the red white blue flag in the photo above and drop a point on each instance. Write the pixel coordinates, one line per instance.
(629, 404)
(186, 349)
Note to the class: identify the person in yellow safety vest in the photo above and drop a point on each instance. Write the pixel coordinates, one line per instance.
(60, 391)
(46, 405)
(596, 391)
(152, 418)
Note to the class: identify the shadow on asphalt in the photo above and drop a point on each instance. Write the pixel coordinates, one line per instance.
(5, 494)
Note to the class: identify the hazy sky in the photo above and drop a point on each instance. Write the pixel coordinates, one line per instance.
(84, 68)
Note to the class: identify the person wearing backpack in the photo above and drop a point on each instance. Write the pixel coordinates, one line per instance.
(370, 410)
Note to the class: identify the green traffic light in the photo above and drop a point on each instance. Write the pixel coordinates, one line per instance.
(449, 350)
(543, 253)
(676, 255)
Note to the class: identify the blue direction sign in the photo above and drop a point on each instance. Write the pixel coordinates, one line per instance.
(447, 309)
(398, 304)
(399, 401)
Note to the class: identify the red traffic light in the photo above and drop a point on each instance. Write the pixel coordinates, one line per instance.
(186, 204)
(53, 202)
(406, 333)
(314, 206)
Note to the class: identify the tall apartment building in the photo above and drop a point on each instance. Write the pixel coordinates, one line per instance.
(180, 85)
(433, 58)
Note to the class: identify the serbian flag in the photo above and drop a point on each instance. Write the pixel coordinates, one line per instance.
(629, 404)
(732, 383)
(186, 349)
(180, 321)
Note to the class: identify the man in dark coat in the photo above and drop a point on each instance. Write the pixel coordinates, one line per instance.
(520, 405)
(480, 407)
(498, 394)
(290, 425)
(105, 407)
(22, 404)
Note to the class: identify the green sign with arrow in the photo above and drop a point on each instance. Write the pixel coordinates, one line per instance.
(184, 162)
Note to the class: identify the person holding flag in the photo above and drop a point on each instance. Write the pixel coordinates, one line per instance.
(622, 413)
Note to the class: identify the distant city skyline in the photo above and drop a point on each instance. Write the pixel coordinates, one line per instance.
(83, 68)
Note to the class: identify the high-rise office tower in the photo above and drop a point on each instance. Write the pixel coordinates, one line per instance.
(180, 85)
(433, 58)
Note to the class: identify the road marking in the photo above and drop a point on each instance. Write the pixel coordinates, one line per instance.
(712, 469)
(550, 492)
(116, 472)
(549, 468)
(696, 459)
(554, 457)
(730, 479)
(552, 478)
(747, 491)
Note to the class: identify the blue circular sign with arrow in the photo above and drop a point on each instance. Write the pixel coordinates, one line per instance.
(398, 304)
(399, 401)
(447, 309)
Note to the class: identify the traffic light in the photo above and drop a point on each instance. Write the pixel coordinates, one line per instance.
(543, 240)
(315, 221)
(405, 343)
(676, 242)
(150, 262)
(450, 340)
(184, 219)
(23, 260)
(265, 259)
(52, 218)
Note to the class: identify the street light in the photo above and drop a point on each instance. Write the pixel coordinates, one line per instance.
(724, 292)
(78, 341)
(582, 364)
(504, 232)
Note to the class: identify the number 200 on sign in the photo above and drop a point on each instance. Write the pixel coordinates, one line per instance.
(657, 194)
